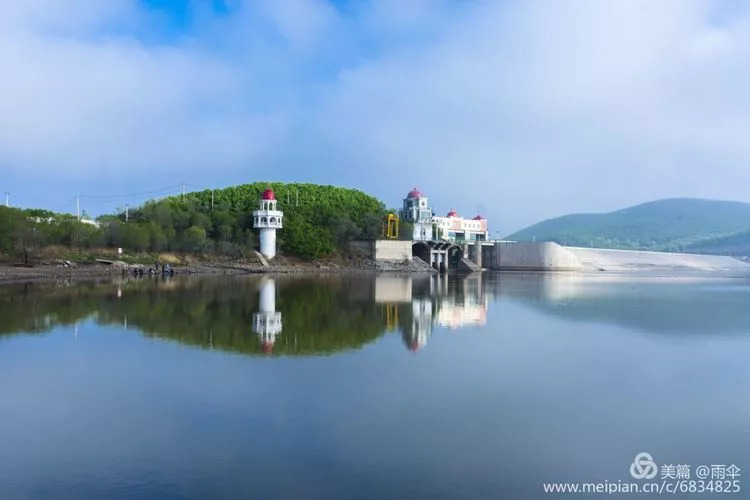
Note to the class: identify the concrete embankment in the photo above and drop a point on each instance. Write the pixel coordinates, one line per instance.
(548, 256)
(633, 260)
(528, 256)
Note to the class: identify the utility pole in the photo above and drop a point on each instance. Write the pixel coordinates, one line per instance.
(127, 212)
(297, 202)
(78, 207)
(7, 198)
(212, 200)
(183, 191)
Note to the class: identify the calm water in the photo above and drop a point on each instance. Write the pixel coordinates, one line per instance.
(367, 387)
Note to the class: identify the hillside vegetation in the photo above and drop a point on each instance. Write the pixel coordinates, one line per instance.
(672, 225)
(317, 220)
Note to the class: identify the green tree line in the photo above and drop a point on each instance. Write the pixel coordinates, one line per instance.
(317, 221)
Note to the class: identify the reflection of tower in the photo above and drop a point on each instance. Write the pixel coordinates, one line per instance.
(421, 324)
(267, 322)
(267, 219)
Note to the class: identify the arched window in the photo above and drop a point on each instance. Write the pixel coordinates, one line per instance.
(273, 220)
(263, 220)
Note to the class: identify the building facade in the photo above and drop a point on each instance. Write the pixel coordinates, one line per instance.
(452, 227)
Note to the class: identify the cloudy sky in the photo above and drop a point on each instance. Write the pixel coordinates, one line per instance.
(520, 110)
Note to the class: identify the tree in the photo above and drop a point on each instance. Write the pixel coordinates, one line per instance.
(405, 230)
(194, 239)
(343, 230)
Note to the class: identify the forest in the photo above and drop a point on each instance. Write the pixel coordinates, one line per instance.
(318, 221)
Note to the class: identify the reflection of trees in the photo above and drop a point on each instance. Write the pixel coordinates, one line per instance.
(320, 315)
(36, 308)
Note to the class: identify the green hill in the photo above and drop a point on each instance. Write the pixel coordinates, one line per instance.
(318, 220)
(672, 225)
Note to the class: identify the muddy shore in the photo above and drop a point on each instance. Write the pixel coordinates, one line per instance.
(83, 270)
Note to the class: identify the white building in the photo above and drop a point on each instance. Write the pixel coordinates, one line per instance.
(453, 227)
(267, 220)
(418, 212)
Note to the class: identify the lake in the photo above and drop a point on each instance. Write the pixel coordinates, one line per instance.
(370, 387)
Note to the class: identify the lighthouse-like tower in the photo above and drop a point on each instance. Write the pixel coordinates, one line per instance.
(417, 211)
(267, 322)
(267, 220)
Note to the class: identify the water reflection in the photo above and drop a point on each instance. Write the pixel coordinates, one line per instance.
(674, 305)
(448, 302)
(267, 322)
(570, 378)
(327, 314)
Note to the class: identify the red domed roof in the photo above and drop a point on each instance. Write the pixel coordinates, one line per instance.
(452, 213)
(414, 193)
(268, 195)
(478, 217)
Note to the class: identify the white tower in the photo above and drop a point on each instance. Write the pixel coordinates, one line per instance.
(267, 219)
(267, 322)
(418, 212)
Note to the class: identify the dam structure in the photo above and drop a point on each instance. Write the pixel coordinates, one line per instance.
(526, 256)
(458, 244)
(550, 256)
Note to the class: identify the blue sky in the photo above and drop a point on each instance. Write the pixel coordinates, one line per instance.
(518, 110)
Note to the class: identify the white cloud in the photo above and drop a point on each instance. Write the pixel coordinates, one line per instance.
(528, 108)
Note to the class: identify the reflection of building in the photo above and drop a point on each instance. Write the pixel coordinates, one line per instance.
(465, 305)
(421, 323)
(418, 212)
(391, 289)
(267, 322)
(450, 302)
(267, 220)
(456, 316)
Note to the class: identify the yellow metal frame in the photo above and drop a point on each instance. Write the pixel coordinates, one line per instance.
(389, 227)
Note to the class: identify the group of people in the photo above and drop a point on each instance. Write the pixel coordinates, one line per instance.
(166, 270)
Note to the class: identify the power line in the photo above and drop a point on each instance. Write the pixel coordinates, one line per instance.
(101, 199)
(115, 197)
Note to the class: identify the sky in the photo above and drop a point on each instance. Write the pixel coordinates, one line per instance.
(518, 110)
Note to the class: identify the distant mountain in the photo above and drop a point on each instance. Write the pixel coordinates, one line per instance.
(671, 225)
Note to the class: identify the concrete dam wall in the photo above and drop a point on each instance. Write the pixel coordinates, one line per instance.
(636, 260)
(548, 256)
(527, 256)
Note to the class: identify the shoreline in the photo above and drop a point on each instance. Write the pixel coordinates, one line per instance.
(10, 273)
